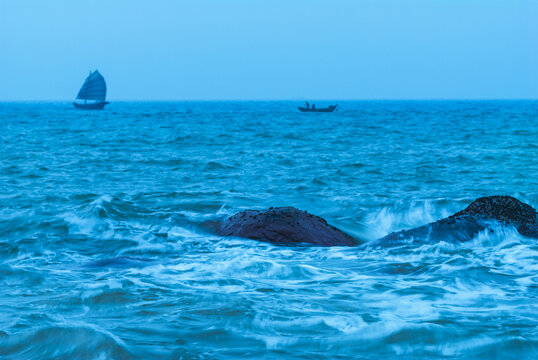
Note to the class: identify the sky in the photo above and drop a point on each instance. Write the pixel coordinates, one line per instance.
(270, 49)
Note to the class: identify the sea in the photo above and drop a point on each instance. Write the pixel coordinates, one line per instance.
(107, 252)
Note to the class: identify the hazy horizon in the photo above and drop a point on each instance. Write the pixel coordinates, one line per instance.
(271, 51)
(311, 101)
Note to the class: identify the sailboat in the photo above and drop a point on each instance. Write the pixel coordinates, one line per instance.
(94, 90)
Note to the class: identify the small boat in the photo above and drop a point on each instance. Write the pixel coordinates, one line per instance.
(314, 109)
(94, 90)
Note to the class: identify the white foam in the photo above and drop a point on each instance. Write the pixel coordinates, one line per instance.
(402, 216)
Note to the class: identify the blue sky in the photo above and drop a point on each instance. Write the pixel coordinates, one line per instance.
(257, 49)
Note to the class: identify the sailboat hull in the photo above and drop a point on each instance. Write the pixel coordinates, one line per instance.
(91, 106)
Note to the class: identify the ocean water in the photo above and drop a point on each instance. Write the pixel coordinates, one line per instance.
(106, 250)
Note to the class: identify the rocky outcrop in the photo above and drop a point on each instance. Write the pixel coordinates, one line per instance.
(466, 224)
(505, 209)
(288, 225)
(284, 225)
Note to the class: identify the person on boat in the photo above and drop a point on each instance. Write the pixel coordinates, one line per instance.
(307, 105)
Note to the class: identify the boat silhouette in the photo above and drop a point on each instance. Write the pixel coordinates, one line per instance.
(93, 92)
(307, 108)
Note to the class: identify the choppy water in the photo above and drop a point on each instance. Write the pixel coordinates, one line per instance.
(105, 252)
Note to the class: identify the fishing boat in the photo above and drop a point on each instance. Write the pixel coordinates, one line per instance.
(313, 108)
(92, 92)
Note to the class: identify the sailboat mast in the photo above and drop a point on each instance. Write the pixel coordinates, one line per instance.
(85, 100)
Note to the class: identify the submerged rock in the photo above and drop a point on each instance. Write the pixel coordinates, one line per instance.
(287, 225)
(466, 224)
(284, 225)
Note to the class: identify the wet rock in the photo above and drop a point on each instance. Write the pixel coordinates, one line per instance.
(284, 225)
(287, 225)
(466, 224)
(449, 230)
(505, 209)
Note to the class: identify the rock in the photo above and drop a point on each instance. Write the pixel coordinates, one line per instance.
(284, 225)
(505, 209)
(449, 230)
(288, 225)
(466, 224)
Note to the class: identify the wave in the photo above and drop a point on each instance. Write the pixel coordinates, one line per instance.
(405, 215)
(215, 165)
(64, 342)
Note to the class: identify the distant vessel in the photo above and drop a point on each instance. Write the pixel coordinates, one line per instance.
(307, 108)
(94, 90)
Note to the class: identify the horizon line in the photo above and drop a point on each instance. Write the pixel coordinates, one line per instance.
(279, 100)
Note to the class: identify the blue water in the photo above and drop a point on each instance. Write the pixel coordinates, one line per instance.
(106, 252)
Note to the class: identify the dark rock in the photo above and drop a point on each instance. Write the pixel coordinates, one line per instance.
(466, 224)
(287, 225)
(284, 225)
(449, 230)
(505, 209)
